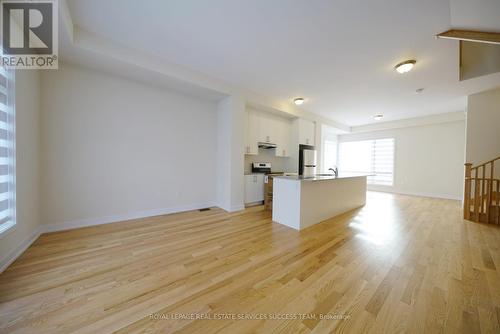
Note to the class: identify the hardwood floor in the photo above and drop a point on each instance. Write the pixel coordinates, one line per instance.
(400, 264)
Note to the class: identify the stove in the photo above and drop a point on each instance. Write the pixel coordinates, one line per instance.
(261, 167)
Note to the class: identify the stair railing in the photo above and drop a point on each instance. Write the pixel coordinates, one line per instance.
(481, 193)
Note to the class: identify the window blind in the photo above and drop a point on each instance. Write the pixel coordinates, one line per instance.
(7, 150)
(374, 156)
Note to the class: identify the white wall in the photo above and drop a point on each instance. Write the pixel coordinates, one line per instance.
(114, 148)
(483, 127)
(428, 159)
(27, 168)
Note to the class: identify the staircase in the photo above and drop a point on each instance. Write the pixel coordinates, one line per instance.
(482, 193)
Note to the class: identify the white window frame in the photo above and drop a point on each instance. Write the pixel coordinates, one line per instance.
(326, 143)
(11, 144)
(371, 184)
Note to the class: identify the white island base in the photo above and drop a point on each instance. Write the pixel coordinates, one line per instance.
(301, 202)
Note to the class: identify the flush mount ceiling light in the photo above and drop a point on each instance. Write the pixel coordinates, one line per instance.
(405, 66)
(298, 101)
(378, 117)
(419, 91)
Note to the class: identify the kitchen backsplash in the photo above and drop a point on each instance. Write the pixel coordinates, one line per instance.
(278, 164)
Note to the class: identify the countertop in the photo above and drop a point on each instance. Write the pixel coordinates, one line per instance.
(321, 177)
(273, 174)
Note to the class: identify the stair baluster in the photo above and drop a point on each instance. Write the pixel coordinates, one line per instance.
(481, 193)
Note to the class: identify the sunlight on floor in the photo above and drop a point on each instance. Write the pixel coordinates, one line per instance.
(377, 221)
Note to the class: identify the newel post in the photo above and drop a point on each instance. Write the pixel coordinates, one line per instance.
(467, 186)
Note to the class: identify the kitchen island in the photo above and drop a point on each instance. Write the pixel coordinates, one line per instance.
(300, 202)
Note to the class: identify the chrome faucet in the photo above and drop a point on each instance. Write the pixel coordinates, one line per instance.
(335, 171)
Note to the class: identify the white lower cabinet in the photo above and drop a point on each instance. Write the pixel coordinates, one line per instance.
(254, 188)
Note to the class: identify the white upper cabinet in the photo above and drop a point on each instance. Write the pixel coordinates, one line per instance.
(267, 128)
(307, 132)
(283, 135)
(251, 133)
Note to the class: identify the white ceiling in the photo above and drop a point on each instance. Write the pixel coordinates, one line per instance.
(338, 54)
(475, 14)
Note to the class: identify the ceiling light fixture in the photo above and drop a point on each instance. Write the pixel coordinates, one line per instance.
(378, 117)
(298, 101)
(419, 91)
(405, 66)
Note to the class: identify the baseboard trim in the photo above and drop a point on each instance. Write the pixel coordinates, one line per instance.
(124, 217)
(249, 205)
(16, 252)
(237, 208)
(409, 193)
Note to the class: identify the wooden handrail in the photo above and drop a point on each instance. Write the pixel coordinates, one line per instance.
(481, 193)
(485, 163)
(480, 178)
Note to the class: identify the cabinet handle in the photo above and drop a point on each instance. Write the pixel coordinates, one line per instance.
(267, 138)
(307, 141)
(283, 152)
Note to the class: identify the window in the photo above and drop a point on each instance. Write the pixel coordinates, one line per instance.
(369, 156)
(329, 155)
(7, 151)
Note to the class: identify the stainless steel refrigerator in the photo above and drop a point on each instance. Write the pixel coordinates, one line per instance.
(307, 160)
